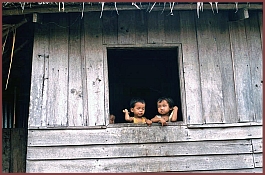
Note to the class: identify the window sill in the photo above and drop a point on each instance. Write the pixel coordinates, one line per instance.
(120, 125)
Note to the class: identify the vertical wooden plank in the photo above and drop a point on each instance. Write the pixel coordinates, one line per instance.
(172, 28)
(45, 78)
(211, 83)
(18, 150)
(140, 27)
(6, 151)
(182, 84)
(156, 32)
(241, 68)
(58, 71)
(258, 160)
(94, 68)
(260, 18)
(75, 93)
(126, 27)
(226, 67)
(38, 75)
(257, 145)
(191, 67)
(255, 55)
(110, 27)
(106, 87)
(83, 74)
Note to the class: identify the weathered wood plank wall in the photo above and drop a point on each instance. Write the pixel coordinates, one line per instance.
(242, 76)
(191, 68)
(226, 68)
(94, 69)
(210, 73)
(222, 65)
(254, 44)
(75, 96)
(171, 148)
(39, 77)
(58, 72)
(222, 76)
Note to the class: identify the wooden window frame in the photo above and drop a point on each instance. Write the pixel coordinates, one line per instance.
(177, 46)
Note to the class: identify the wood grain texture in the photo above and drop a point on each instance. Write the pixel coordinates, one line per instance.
(248, 170)
(126, 27)
(211, 82)
(140, 150)
(191, 68)
(84, 74)
(155, 164)
(256, 69)
(94, 69)
(110, 27)
(6, 150)
(39, 77)
(58, 72)
(260, 18)
(172, 27)
(257, 145)
(258, 160)
(75, 90)
(242, 75)
(156, 31)
(18, 149)
(154, 134)
(221, 32)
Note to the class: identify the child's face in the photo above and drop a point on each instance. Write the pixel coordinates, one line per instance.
(138, 109)
(163, 107)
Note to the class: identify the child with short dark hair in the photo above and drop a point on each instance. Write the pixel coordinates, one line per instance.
(137, 107)
(167, 111)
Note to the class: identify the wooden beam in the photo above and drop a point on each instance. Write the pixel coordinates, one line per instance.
(145, 7)
(13, 27)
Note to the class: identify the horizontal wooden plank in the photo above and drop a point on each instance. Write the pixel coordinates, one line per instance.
(243, 132)
(140, 150)
(156, 164)
(153, 134)
(258, 160)
(249, 170)
(106, 136)
(224, 125)
(257, 145)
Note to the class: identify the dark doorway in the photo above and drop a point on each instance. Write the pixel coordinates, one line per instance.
(142, 72)
(17, 39)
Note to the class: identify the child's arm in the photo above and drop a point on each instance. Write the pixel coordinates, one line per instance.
(127, 117)
(148, 122)
(159, 120)
(175, 114)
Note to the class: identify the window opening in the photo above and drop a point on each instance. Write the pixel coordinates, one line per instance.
(142, 72)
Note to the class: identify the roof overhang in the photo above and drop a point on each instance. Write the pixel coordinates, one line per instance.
(10, 9)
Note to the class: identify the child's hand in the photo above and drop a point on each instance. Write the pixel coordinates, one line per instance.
(163, 122)
(125, 111)
(175, 108)
(149, 122)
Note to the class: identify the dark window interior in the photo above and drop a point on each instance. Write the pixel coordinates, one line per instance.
(16, 86)
(147, 73)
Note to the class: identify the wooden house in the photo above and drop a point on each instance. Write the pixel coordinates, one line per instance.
(75, 65)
